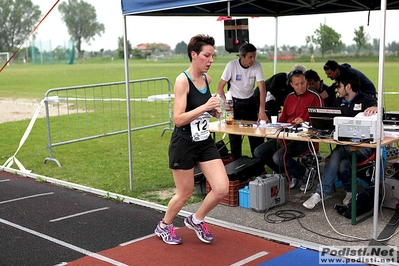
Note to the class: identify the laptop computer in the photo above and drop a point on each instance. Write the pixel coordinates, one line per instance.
(322, 120)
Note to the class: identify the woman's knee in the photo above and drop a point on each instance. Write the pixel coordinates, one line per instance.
(185, 195)
(221, 190)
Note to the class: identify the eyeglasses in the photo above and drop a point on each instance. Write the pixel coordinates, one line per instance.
(295, 72)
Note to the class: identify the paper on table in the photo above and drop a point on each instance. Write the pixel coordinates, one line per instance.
(276, 125)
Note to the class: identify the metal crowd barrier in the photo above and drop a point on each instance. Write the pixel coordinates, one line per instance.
(80, 113)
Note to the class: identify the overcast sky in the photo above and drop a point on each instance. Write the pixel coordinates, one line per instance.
(172, 30)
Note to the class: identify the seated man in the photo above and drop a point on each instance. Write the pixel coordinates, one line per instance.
(274, 152)
(352, 102)
(277, 87)
(316, 84)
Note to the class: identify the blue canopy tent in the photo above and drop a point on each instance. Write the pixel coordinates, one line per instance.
(269, 8)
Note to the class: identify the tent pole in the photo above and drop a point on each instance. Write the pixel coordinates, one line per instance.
(379, 117)
(275, 46)
(129, 123)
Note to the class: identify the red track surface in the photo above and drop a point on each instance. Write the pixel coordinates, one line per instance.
(228, 247)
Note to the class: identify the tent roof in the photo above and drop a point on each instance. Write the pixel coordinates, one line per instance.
(248, 8)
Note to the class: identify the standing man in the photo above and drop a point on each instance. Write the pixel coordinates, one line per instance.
(352, 102)
(333, 70)
(241, 75)
(278, 154)
(316, 84)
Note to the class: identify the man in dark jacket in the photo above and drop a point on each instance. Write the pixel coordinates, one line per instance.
(333, 70)
(351, 101)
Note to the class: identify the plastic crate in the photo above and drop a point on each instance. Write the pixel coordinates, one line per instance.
(199, 178)
(232, 198)
(243, 197)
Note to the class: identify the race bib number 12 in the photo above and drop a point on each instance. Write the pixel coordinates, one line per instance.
(200, 127)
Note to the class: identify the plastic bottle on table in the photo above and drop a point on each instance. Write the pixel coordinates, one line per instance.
(229, 109)
(222, 118)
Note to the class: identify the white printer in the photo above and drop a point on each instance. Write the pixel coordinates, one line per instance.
(359, 128)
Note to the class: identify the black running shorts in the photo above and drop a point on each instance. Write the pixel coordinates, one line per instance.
(184, 154)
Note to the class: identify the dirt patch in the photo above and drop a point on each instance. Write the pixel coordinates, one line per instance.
(21, 109)
(163, 194)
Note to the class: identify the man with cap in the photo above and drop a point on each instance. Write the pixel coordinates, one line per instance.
(333, 69)
(241, 75)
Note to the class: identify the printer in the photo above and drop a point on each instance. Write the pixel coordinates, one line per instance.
(358, 129)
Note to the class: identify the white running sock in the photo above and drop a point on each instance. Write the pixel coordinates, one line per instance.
(195, 220)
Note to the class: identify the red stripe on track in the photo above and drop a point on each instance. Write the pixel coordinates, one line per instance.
(228, 247)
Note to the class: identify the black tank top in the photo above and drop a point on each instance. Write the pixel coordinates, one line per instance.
(195, 98)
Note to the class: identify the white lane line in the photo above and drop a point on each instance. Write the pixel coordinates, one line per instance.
(78, 214)
(251, 258)
(27, 197)
(4, 180)
(64, 244)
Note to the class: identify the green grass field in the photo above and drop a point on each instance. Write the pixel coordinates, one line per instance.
(103, 163)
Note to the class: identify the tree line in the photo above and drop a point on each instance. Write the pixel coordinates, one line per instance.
(324, 41)
(19, 17)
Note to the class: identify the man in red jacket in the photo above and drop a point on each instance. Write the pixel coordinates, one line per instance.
(275, 152)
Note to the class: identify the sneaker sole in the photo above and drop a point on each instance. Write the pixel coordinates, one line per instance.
(307, 207)
(169, 243)
(198, 234)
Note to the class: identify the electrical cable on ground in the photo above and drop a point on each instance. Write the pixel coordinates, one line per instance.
(289, 215)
